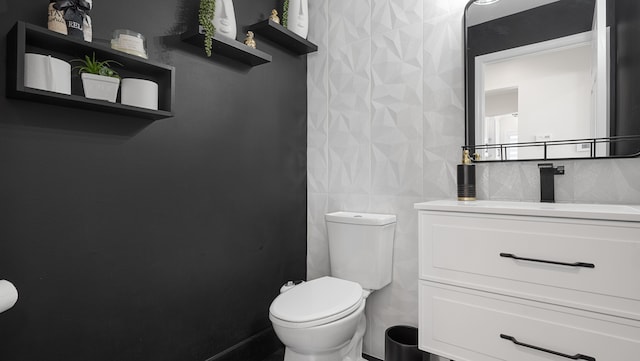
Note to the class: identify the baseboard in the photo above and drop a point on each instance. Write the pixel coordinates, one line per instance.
(370, 358)
(254, 348)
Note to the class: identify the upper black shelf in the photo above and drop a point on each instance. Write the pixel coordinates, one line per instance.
(25, 38)
(229, 48)
(283, 36)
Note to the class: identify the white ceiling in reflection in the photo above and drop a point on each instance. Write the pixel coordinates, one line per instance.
(478, 14)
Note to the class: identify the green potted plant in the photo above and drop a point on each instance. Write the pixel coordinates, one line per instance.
(99, 81)
(285, 13)
(205, 17)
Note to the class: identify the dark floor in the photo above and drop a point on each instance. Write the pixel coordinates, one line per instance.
(277, 356)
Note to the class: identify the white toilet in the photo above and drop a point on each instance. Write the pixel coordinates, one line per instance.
(323, 319)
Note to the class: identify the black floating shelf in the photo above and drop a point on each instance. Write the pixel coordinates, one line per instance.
(229, 48)
(283, 36)
(79, 101)
(25, 38)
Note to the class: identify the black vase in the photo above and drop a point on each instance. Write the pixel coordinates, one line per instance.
(466, 182)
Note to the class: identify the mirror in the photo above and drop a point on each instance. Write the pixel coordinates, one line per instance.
(552, 79)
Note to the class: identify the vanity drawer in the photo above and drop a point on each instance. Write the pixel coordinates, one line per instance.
(466, 325)
(597, 262)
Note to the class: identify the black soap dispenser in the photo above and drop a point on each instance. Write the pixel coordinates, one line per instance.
(466, 178)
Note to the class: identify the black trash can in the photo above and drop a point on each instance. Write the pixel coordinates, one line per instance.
(401, 344)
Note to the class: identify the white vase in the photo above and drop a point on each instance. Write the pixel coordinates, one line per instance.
(298, 17)
(100, 87)
(224, 19)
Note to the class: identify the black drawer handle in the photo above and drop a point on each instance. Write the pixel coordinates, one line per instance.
(577, 264)
(574, 357)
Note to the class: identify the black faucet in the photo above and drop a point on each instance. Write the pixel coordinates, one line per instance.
(547, 189)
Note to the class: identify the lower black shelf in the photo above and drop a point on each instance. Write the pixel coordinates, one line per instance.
(77, 101)
(229, 48)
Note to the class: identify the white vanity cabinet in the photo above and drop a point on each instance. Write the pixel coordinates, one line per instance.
(516, 281)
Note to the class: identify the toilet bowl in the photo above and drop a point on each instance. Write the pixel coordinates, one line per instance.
(321, 320)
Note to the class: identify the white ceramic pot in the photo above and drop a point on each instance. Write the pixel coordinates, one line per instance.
(139, 93)
(45, 72)
(298, 17)
(224, 19)
(100, 87)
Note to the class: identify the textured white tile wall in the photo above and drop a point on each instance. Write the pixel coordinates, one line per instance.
(386, 122)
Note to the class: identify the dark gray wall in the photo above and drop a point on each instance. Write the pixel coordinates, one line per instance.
(131, 240)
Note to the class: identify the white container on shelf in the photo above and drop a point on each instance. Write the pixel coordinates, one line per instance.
(100, 87)
(129, 42)
(139, 93)
(45, 72)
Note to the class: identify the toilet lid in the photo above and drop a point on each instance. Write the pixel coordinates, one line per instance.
(322, 298)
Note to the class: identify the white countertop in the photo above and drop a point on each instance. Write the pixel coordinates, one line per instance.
(611, 212)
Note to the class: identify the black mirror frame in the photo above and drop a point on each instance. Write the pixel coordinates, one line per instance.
(470, 128)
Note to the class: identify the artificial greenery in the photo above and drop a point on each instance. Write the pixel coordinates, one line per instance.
(205, 16)
(93, 66)
(285, 13)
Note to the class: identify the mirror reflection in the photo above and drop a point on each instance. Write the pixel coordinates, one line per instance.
(544, 71)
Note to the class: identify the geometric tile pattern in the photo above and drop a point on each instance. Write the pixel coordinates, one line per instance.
(349, 118)
(367, 119)
(349, 21)
(612, 181)
(317, 140)
(394, 14)
(396, 117)
(385, 126)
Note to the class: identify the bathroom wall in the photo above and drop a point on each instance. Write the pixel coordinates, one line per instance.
(561, 79)
(385, 127)
(132, 240)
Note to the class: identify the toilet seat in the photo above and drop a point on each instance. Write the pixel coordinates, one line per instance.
(316, 302)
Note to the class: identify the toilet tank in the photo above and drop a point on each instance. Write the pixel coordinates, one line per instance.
(361, 247)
